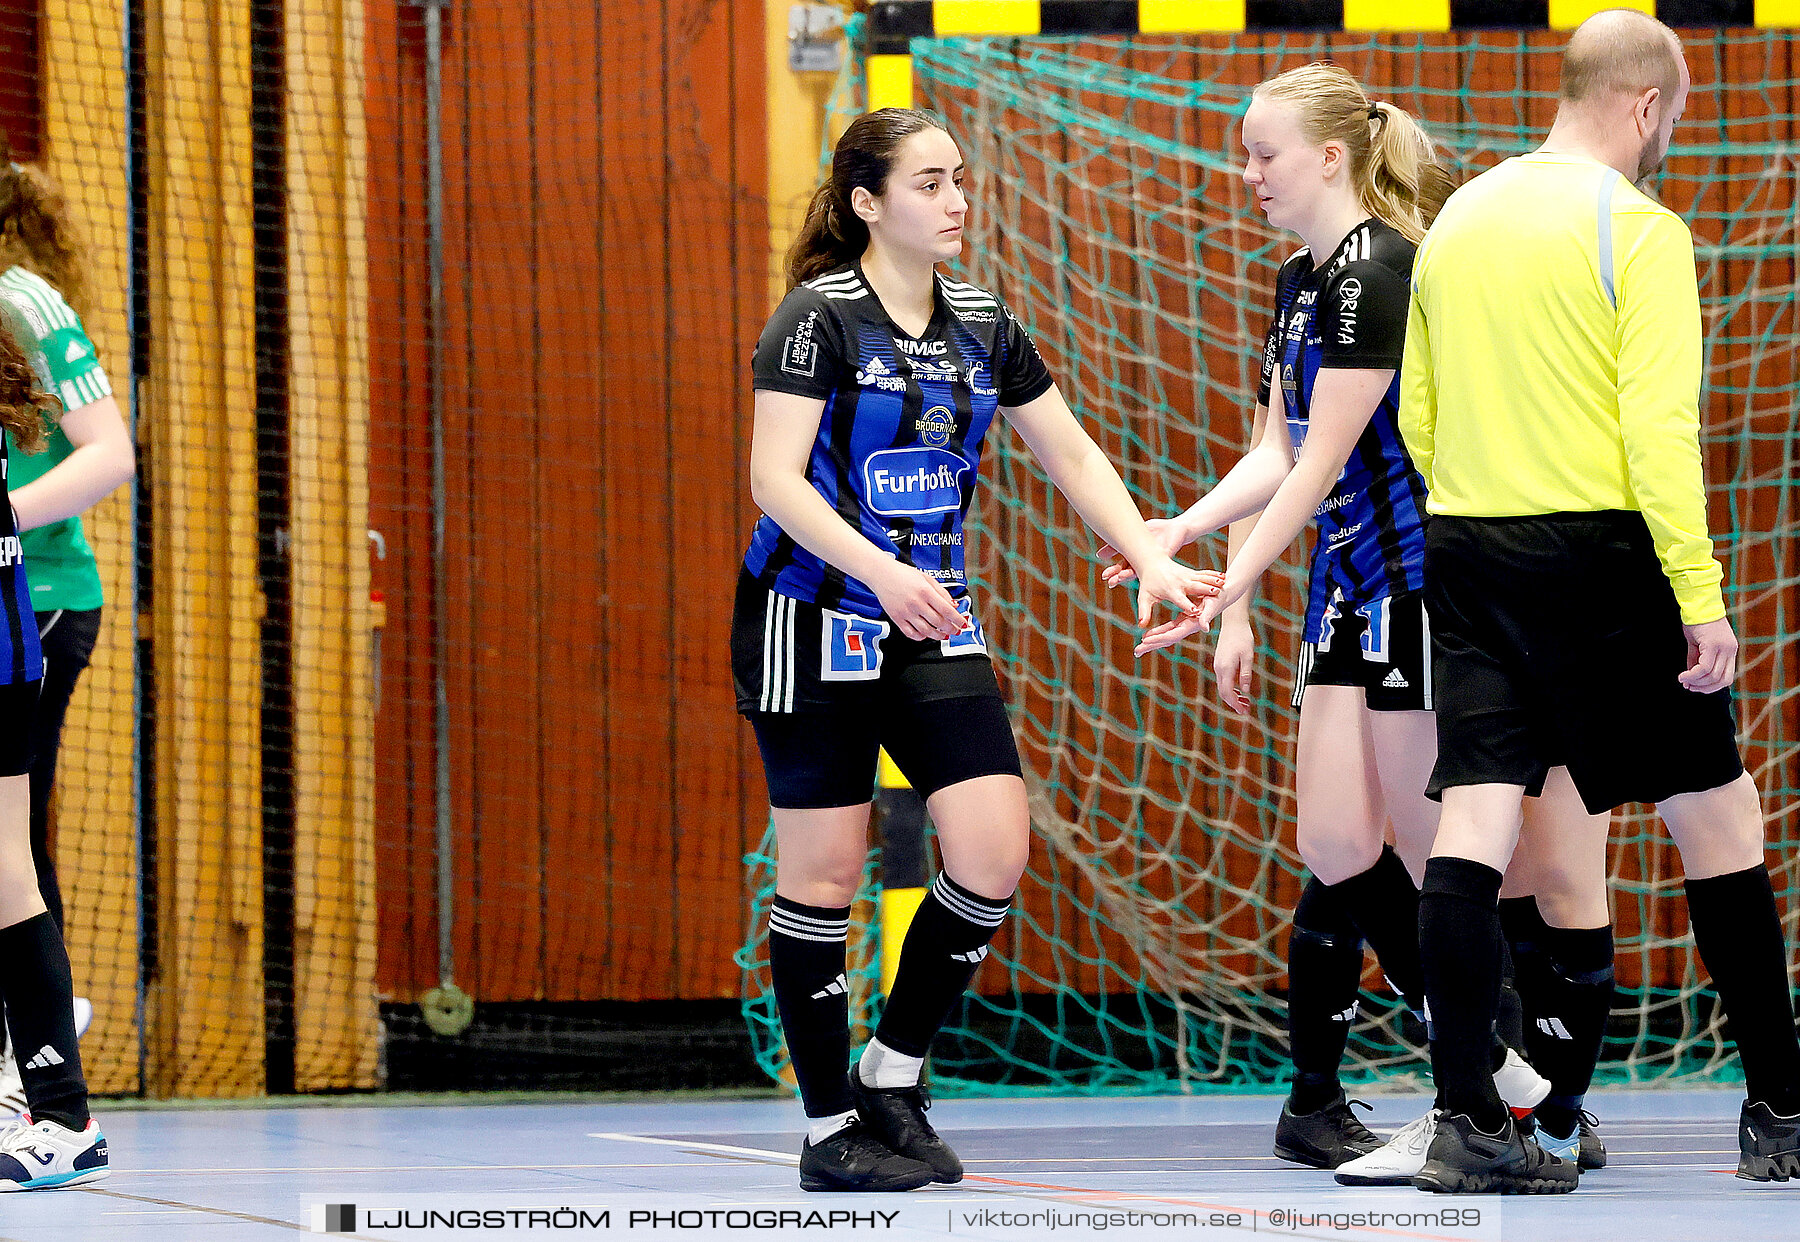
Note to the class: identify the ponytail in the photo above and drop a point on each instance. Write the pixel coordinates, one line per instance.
(833, 235)
(1389, 182)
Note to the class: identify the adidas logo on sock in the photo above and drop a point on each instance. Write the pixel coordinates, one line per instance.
(1394, 681)
(1349, 1015)
(45, 1058)
(837, 987)
(973, 959)
(1554, 1028)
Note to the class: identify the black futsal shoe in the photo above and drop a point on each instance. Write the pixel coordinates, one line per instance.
(1768, 1144)
(1592, 1153)
(897, 1114)
(1464, 1159)
(854, 1159)
(1326, 1138)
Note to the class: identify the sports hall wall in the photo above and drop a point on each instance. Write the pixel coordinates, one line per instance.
(249, 811)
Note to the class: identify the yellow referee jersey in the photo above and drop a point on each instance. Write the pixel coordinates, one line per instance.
(1552, 360)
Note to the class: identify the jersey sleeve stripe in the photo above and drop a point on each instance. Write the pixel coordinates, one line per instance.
(55, 311)
(1607, 185)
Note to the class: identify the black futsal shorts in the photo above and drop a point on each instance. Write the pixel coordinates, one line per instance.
(1557, 641)
(826, 691)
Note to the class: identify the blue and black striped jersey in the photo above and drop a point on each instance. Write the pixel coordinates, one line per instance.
(1350, 312)
(899, 443)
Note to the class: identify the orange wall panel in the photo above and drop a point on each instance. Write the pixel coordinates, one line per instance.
(605, 237)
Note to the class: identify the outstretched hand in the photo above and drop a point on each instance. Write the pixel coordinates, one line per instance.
(1169, 537)
(1171, 632)
(1165, 582)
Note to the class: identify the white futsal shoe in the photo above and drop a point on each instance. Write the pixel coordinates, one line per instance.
(1522, 1087)
(1395, 1162)
(44, 1155)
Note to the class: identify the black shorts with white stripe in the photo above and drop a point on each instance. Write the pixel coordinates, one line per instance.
(935, 707)
(1384, 647)
(791, 656)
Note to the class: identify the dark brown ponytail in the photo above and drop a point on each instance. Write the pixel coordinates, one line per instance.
(832, 234)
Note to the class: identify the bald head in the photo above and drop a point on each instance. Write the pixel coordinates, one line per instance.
(1620, 52)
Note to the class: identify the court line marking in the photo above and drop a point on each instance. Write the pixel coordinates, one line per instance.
(756, 1153)
(288, 1169)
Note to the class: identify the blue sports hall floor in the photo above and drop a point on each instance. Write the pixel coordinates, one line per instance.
(1196, 1167)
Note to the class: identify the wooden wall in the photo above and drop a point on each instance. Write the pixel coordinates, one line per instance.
(605, 268)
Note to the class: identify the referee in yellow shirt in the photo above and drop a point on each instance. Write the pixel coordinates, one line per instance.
(1550, 398)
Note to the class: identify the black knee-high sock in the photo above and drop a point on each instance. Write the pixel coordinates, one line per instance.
(1571, 988)
(1738, 933)
(40, 1012)
(1459, 937)
(1509, 1019)
(1384, 903)
(944, 946)
(806, 961)
(1325, 962)
(1523, 932)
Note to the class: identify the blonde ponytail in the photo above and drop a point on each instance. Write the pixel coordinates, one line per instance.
(1388, 186)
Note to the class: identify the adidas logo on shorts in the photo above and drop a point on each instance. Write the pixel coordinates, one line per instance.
(1394, 681)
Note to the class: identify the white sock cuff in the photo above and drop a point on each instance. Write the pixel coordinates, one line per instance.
(979, 910)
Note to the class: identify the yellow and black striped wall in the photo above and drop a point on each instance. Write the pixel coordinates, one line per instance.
(893, 24)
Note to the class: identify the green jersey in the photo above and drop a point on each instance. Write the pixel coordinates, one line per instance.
(58, 560)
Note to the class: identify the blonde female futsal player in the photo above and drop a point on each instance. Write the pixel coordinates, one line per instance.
(1345, 175)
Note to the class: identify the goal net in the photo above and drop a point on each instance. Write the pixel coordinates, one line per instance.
(1146, 949)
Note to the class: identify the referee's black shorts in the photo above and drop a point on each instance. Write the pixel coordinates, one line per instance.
(1557, 641)
(826, 691)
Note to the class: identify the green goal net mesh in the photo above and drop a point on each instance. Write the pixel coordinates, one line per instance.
(1146, 948)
